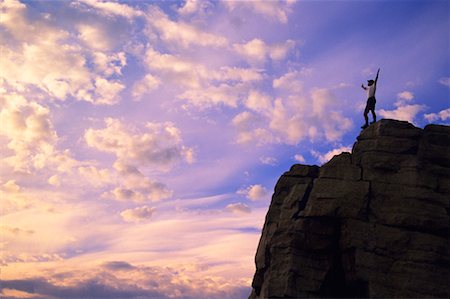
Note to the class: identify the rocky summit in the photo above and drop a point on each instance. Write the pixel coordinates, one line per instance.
(371, 223)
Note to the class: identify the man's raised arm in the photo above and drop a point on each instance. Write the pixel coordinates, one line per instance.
(376, 78)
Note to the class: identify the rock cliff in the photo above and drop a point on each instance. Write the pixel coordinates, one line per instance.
(373, 223)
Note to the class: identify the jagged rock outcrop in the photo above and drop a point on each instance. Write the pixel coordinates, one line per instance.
(373, 223)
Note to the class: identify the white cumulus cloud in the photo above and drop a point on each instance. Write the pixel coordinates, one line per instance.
(36, 53)
(404, 112)
(254, 192)
(238, 208)
(405, 95)
(292, 113)
(277, 11)
(269, 160)
(157, 145)
(109, 8)
(442, 115)
(299, 158)
(257, 51)
(138, 214)
(138, 188)
(29, 131)
(180, 33)
(145, 85)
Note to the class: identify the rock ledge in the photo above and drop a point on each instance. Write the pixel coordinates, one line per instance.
(373, 223)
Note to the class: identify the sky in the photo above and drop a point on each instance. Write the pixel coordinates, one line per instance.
(141, 140)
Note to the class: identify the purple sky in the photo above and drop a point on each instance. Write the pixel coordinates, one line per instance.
(141, 140)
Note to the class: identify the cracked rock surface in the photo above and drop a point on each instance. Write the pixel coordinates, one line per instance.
(373, 223)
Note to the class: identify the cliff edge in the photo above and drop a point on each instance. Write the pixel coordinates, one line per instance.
(373, 223)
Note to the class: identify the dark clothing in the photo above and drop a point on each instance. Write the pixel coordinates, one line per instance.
(370, 106)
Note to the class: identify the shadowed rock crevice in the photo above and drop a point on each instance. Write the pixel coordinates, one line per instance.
(367, 213)
(371, 223)
(304, 200)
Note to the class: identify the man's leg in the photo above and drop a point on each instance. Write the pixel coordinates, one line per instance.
(374, 116)
(366, 111)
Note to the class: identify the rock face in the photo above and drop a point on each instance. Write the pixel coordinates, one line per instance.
(373, 223)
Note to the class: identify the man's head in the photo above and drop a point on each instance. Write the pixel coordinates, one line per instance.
(370, 82)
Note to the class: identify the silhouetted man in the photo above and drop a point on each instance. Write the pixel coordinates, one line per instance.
(370, 106)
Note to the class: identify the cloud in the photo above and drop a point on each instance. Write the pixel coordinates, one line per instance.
(175, 68)
(405, 112)
(250, 129)
(445, 81)
(292, 116)
(29, 131)
(139, 214)
(201, 86)
(254, 50)
(93, 287)
(30, 142)
(54, 180)
(254, 192)
(145, 85)
(156, 145)
(118, 265)
(112, 280)
(94, 37)
(96, 177)
(11, 186)
(299, 158)
(295, 113)
(139, 189)
(257, 51)
(13, 198)
(404, 98)
(184, 252)
(15, 230)
(190, 250)
(280, 51)
(107, 91)
(272, 10)
(442, 115)
(405, 109)
(112, 9)
(405, 95)
(323, 158)
(259, 102)
(236, 74)
(190, 7)
(109, 64)
(325, 108)
(244, 119)
(289, 82)
(238, 208)
(195, 7)
(179, 33)
(39, 54)
(227, 86)
(269, 160)
(48, 214)
(198, 83)
(297, 117)
(223, 94)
